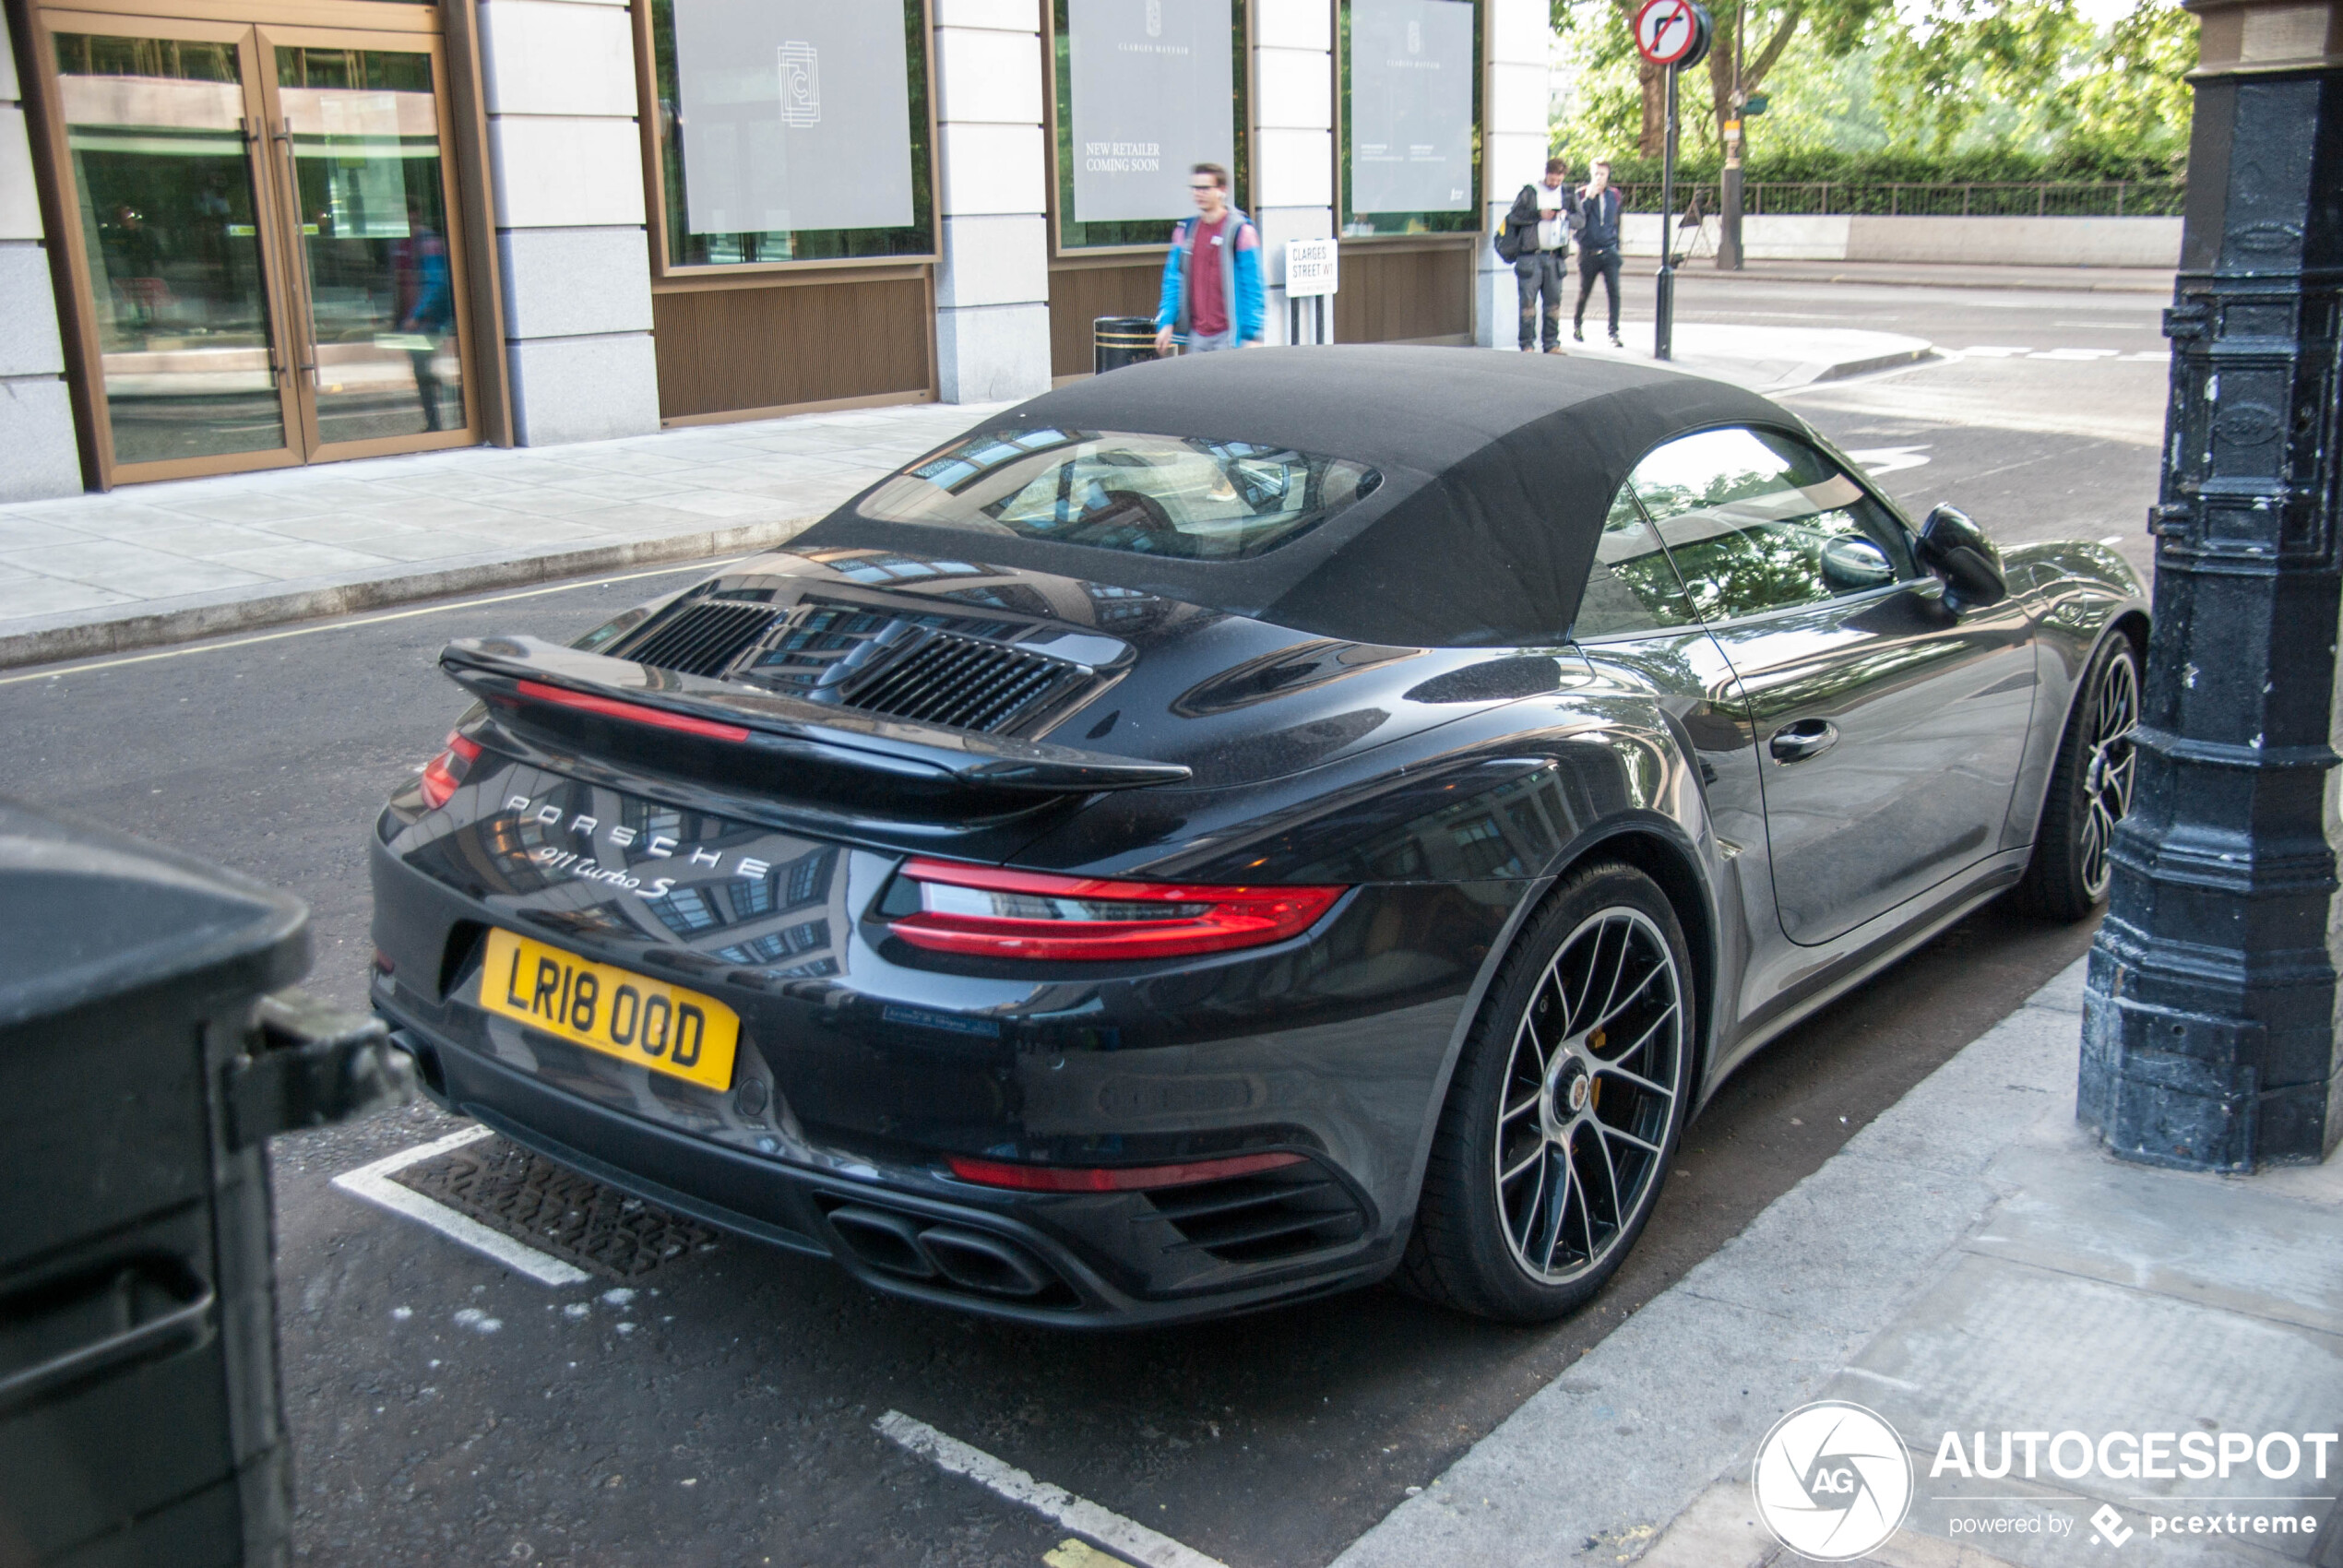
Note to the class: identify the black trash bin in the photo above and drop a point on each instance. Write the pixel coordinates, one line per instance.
(1118, 340)
(142, 1064)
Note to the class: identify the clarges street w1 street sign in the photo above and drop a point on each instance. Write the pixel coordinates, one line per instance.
(1309, 268)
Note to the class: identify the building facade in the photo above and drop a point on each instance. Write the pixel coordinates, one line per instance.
(238, 234)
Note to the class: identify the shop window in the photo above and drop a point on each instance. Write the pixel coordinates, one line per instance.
(1144, 91)
(791, 130)
(1410, 139)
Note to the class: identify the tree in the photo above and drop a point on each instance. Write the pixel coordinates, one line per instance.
(1837, 25)
(1956, 61)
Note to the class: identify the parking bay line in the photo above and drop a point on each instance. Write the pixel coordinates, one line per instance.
(1080, 1515)
(373, 1184)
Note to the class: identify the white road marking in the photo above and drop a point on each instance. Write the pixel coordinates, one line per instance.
(310, 631)
(1877, 460)
(373, 1184)
(1994, 352)
(1080, 1515)
(2075, 354)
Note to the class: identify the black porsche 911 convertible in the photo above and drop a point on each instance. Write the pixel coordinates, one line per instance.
(1244, 827)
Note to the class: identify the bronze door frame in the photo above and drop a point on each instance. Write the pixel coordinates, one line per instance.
(255, 30)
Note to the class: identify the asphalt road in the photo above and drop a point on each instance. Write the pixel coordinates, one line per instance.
(724, 1415)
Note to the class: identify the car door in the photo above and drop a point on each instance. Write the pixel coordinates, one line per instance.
(1890, 730)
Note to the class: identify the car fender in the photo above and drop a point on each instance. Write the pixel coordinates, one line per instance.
(1622, 750)
(2078, 595)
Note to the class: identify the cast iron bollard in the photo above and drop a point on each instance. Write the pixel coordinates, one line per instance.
(2209, 1021)
(142, 1065)
(1118, 340)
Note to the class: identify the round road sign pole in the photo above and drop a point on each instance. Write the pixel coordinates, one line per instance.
(1664, 309)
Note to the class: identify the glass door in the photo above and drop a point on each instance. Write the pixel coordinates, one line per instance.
(359, 140)
(180, 293)
(267, 269)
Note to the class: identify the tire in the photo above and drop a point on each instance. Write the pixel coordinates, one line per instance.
(2090, 788)
(1556, 1141)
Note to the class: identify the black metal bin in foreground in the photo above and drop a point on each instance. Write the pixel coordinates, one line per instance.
(142, 1065)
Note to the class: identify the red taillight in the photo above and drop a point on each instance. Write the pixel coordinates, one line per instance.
(633, 712)
(443, 772)
(1114, 1178)
(988, 912)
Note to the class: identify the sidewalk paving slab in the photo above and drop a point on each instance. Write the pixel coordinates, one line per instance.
(1969, 1262)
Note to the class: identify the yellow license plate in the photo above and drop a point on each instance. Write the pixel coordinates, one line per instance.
(647, 1022)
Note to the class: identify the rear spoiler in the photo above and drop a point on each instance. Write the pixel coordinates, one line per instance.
(787, 729)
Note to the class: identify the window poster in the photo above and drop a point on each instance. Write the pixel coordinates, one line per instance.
(1152, 97)
(1410, 110)
(794, 115)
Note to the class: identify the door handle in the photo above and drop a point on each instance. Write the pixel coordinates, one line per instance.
(1806, 737)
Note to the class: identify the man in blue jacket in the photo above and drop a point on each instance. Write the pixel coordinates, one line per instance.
(1597, 247)
(1212, 278)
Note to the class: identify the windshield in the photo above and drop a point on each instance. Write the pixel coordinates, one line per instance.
(1184, 497)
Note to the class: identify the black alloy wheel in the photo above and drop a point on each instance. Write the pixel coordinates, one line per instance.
(1563, 1114)
(2090, 791)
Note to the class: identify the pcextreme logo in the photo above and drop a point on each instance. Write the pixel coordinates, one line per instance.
(1832, 1481)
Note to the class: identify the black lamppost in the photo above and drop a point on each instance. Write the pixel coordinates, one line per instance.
(2210, 1021)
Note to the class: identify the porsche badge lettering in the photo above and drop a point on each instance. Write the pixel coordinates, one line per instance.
(647, 1022)
(661, 845)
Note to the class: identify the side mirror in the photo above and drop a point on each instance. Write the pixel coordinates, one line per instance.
(1957, 551)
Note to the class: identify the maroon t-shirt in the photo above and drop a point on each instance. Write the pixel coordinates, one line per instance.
(1207, 288)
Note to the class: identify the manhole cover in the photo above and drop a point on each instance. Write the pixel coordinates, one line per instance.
(532, 1200)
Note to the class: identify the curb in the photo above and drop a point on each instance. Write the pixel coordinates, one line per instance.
(89, 639)
(2160, 285)
(1844, 369)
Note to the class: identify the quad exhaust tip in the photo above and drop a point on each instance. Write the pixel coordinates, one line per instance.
(902, 1245)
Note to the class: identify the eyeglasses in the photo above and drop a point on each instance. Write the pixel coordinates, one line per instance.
(1205, 185)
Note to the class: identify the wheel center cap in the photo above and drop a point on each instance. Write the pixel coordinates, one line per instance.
(1580, 1091)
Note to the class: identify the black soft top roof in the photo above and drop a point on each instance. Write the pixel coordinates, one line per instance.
(1498, 471)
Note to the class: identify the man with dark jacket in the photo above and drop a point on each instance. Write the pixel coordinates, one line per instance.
(1597, 247)
(1536, 238)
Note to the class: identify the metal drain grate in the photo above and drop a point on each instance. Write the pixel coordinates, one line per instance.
(532, 1200)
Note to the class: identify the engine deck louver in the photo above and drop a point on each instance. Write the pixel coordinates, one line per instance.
(700, 638)
(931, 670)
(937, 678)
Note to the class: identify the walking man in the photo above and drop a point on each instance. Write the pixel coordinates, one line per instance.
(1597, 247)
(1536, 238)
(1212, 278)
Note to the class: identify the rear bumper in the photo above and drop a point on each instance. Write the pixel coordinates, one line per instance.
(864, 1064)
(1002, 1255)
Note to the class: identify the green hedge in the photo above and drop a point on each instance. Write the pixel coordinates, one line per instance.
(2070, 163)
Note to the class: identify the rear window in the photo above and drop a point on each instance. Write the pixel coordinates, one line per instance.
(1183, 497)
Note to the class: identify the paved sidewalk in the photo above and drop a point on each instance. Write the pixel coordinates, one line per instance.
(1764, 359)
(1967, 1263)
(154, 564)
